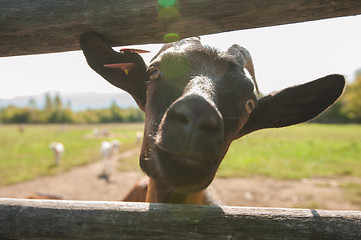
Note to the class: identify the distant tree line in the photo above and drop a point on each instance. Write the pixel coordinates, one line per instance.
(56, 112)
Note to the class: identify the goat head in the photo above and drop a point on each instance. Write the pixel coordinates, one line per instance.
(197, 100)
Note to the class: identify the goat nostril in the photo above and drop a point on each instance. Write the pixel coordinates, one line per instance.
(179, 117)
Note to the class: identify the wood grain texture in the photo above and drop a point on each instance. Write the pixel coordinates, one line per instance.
(45, 26)
(45, 219)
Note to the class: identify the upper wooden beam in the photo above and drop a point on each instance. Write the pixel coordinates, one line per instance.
(55, 219)
(45, 26)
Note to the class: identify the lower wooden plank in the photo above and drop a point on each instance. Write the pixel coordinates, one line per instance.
(57, 219)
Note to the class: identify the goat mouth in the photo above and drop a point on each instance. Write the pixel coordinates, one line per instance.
(182, 159)
(183, 172)
(186, 159)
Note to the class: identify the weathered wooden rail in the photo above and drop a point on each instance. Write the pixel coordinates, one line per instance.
(44, 26)
(52, 219)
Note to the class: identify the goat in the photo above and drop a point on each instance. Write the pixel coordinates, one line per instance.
(58, 149)
(95, 132)
(107, 150)
(138, 137)
(197, 100)
(116, 145)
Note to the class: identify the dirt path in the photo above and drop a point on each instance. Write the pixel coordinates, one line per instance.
(80, 183)
(83, 183)
(322, 193)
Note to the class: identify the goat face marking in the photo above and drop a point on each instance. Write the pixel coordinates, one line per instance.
(197, 100)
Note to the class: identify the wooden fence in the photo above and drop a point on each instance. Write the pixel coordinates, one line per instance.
(44, 26)
(52, 219)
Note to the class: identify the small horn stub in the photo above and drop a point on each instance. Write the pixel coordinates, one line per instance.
(248, 64)
(244, 58)
(123, 66)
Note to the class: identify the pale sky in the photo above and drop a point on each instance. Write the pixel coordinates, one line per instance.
(283, 56)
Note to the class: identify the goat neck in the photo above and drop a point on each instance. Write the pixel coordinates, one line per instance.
(161, 193)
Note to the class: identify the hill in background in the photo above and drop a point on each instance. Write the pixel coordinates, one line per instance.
(78, 101)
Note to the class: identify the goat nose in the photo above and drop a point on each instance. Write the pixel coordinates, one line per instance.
(195, 114)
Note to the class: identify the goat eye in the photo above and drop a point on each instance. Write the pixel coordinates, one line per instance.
(250, 105)
(154, 73)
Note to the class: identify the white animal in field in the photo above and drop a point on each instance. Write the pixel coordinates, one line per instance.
(108, 149)
(105, 132)
(58, 149)
(96, 132)
(138, 137)
(116, 145)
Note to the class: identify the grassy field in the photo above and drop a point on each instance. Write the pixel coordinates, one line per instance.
(295, 152)
(27, 155)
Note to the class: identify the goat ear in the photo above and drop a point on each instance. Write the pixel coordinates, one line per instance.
(130, 76)
(295, 104)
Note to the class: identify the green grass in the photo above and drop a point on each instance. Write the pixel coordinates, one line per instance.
(296, 152)
(27, 155)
